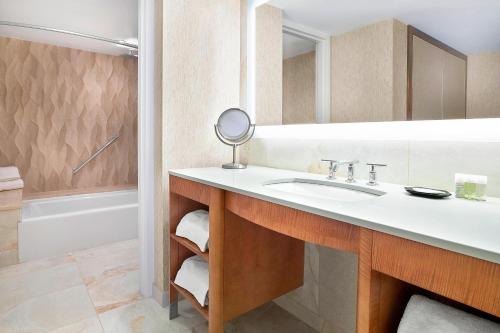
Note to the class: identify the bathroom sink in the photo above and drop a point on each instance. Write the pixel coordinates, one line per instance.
(324, 189)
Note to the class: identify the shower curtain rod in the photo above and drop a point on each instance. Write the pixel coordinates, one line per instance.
(102, 39)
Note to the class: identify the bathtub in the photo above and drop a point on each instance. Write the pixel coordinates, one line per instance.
(59, 225)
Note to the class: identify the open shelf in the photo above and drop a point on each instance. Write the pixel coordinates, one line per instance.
(187, 295)
(189, 245)
(236, 287)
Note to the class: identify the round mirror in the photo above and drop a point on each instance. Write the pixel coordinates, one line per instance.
(234, 128)
(234, 125)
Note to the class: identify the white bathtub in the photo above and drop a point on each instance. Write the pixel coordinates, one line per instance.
(59, 225)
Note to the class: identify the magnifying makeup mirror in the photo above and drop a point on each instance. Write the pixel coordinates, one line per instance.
(234, 128)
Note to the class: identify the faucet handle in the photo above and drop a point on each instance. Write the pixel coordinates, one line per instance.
(347, 162)
(373, 165)
(372, 175)
(332, 168)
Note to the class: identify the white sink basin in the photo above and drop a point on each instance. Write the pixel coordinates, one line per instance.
(324, 189)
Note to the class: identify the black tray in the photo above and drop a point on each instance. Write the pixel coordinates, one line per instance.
(427, 192)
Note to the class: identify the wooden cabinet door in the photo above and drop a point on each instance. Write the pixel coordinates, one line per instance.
(428, 63)
(438, 79)
(454, 78)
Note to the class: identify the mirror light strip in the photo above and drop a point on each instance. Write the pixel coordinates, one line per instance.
(466, 130)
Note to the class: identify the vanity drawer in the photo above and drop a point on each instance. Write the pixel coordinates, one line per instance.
(465, 279)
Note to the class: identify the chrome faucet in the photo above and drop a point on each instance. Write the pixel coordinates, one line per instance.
(332, 170)
(350, 171)
(334, 164)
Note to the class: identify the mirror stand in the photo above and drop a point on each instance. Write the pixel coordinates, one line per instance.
(233, 164)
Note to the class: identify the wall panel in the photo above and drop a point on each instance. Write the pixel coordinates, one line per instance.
(57, 106)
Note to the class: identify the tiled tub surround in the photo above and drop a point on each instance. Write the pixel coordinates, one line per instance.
(328, 296)
(57, 106)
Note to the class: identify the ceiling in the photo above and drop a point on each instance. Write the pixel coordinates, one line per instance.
(294, 46)
(114, 19)
(470, 26)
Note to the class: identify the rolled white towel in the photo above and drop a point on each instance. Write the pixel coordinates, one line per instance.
(193, 276)
(423, 315)
(9, 173)
(11, 185)
(194, 226)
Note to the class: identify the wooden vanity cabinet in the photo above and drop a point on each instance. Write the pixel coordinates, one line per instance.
(470, 281)
(248, 265)
(257, 254)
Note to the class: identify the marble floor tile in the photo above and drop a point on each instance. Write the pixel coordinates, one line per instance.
(108, 249)
(146, 316)
(31, 266)
(269, 318)
(8, 258)
(48, 312)
(97, 291)
(18, 288)
(89, 325)
(111, 274)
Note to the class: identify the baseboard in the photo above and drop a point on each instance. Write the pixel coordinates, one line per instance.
(161, 297)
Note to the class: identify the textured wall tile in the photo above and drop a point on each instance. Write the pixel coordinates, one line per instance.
(299, 89)
(268, 65)
(362, 74)
(57, 106)
(200, 80)
(483, 84)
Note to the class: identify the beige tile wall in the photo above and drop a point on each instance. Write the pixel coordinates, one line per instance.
(268, 65)
(368, 73)
(483, 85)
(327, 299)
(299, 89)
(201, 78)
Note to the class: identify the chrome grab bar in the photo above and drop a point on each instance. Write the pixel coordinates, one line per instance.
(94, 155)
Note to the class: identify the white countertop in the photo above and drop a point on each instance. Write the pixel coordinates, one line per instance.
(459, 225)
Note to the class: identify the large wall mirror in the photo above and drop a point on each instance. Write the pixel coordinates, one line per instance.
(338, 61)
